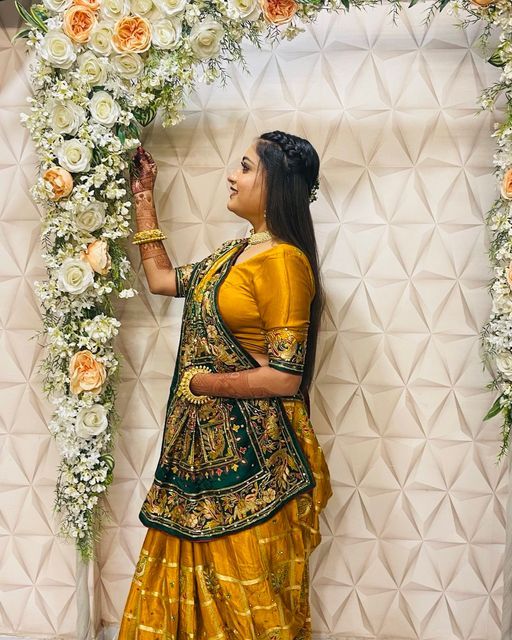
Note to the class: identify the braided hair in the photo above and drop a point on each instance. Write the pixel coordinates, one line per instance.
(291, 165)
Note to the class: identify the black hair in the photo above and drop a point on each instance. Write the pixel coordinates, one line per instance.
(291, 166)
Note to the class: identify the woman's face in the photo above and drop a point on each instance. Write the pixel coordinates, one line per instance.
(247, 188)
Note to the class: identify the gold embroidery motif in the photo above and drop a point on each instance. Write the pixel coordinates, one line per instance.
(183, 274)
(287, 348)
(211, 582)
(279, 577)
(141, 566)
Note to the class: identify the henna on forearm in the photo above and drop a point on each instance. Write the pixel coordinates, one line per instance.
(147, 219)
(145, 210)
(156, 251)
(261, 382)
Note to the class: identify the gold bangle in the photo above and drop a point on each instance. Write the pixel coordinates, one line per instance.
(184, 385)
(148, 235)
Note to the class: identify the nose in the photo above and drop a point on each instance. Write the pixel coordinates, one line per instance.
(232, 173)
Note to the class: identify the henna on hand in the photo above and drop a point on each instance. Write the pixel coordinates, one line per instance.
(143, 171)
(261, 382)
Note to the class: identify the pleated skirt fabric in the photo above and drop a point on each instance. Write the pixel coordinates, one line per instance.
(250, 585)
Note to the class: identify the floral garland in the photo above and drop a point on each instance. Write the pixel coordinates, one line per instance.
(101, 71)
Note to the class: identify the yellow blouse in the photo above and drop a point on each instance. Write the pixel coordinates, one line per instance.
(265, 302)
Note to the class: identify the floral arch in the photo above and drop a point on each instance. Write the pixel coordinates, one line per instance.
(102, 69)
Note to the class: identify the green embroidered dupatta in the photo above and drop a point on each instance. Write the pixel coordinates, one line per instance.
(230, 463)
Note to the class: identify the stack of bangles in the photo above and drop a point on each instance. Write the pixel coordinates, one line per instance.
(148, 235)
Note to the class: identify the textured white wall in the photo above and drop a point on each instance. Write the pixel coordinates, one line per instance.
(414, 534)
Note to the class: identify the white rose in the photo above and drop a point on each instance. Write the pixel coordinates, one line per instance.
(114, 9)
(171, 7)
(75, 275)
(166, 33)
(91, 67)
(66, 117)
(74, 156)
(245, 9)
(57, 49)
(57, 5)
(91, 421)
(141, 7)
(104, 109)
(128, 65)
(205, 38)
(92, 217)
(501, 303)
(101, 38)
(504, 363)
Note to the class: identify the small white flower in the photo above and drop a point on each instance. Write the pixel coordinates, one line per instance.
(75, 276)
(171, 7)
(58, 49)
(166, 33)
(104, 109)
(66, 117)
(127, 293)
(91, 421)
(92, 216)
(74, 156)
(92, 68)
(205, 38)
(101, 38)
(128, 65)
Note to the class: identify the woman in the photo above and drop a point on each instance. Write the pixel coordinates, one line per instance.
(232, 514)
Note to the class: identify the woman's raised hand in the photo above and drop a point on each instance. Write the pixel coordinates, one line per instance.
(143, 171)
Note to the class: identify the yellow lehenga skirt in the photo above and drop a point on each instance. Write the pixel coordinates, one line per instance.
(249, 585)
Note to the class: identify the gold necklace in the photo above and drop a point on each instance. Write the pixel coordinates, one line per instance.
(262, 236)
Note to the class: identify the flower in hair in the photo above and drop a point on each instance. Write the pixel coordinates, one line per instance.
(314, 191)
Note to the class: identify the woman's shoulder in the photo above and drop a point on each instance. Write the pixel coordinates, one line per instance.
(286, 259)
(287, 253)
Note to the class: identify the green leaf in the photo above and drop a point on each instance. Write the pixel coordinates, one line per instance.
(29, 19)
(121, 134)
(443, 4)
(495, 409)
(413, 2)
(24, 33)
(38, 17)
(496, 59)
(346, 4)
(108, 460)
(145, 116)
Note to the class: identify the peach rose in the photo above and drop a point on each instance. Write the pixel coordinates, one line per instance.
(131, 34)
(90, 4)
(506, 185)
(78, 23)
(61, 181)
(86, 373)
(97, 256)
(278, 11)
(482, 3)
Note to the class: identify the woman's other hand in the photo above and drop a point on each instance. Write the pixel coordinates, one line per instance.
(143, 171)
